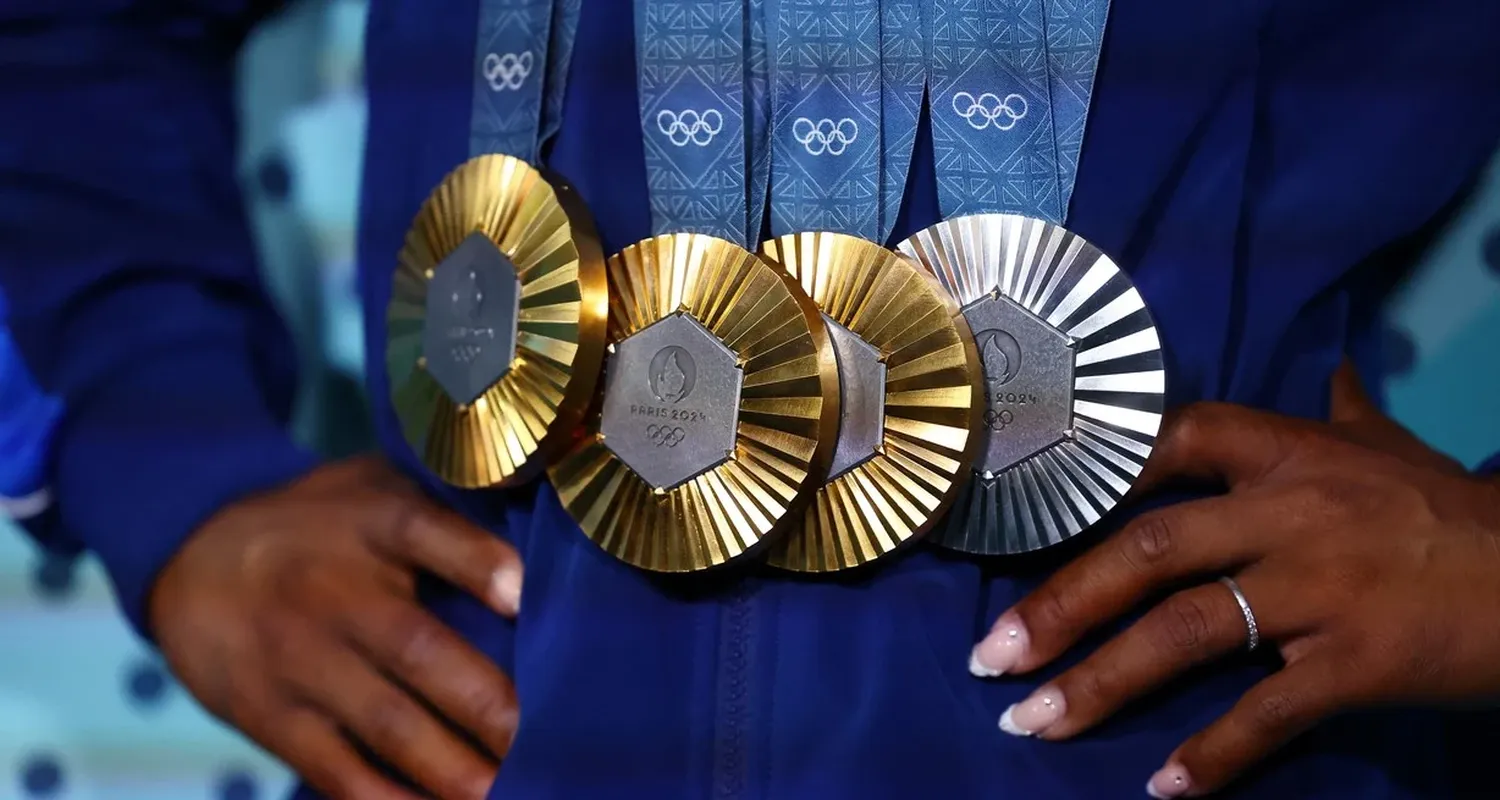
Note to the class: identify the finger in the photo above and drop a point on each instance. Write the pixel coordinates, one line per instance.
(1348, 400)
(1217, 535)
(1267, 717)
(391, 723)
(1189, 628)
(313, 747)
(425, 655)
(1219, 442)
(455, 549)
(1359, 420)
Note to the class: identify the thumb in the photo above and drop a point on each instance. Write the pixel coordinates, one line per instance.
(1354, 414)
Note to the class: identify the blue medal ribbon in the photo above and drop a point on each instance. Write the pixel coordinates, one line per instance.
(562, 33)
(691, 65)
(757, 116)
(1075, 34)
(521, 56)
(903, 81)
(826, 98)
(992, 133)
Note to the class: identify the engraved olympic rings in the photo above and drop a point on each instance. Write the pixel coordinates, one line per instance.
(825, 135)
(507, 72)
(665, 435)
(989, 110)
(998, 420)
(689, 126)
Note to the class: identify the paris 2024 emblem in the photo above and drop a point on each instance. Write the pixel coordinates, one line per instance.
(1028, 379)
(671, 401)
(672, 374)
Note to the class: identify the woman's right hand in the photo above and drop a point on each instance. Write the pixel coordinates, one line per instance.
(293, 617)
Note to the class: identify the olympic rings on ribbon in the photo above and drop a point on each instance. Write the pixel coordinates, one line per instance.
(508, 72)
(682, 127)
(665, 435)
(825, 135)
(988, 109)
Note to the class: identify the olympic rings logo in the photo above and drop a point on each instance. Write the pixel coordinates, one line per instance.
(665, 435)
(682, 127)
(507, 72)
(825, 135)
(998, 420)
(988, 109)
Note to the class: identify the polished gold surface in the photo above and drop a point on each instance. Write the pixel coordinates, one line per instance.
(532, 413)
(788, 410)
(934, 397)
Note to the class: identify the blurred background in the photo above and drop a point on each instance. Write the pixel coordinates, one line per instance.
(86, 711)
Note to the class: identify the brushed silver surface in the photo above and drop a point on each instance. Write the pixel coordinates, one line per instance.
(1028, 382)
(671, 401)
(473, 300)
(861, 399)
(1088, 354)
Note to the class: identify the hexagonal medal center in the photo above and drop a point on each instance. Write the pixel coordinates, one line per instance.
(862, 399)
(469, 338)
(671, 401)
(1028, 381)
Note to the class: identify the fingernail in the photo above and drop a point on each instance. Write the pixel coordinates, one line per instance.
(1035, 714)
(1169, 782)
(505, 590)
(1001, 651)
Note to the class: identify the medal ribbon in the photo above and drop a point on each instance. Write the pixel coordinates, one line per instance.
(825, 116)
(1075, 34)
(691, 59)
(1011, 85)
(903, 81)
(521, 58)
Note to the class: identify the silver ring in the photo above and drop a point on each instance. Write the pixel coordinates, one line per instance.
(1253, 640)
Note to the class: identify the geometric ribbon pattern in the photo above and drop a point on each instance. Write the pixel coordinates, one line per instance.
(1075, 33)
(825, 116)
(690, 59)
(903, 80)
(992, 125)
(510, 65)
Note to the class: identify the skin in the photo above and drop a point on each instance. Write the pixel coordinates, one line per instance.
(293, 617)
(1363, 555)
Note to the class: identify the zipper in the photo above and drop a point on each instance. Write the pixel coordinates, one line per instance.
(737, 644)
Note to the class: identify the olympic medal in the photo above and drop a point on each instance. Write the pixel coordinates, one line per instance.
(496, 323)
(719, 410)
(912, 401)
(1074, 378)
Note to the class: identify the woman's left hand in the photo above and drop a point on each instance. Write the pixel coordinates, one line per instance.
(1370, 562)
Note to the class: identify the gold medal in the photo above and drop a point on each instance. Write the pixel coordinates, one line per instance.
(912, 400)
(496, 323)
(1074, 378)
(719, 410)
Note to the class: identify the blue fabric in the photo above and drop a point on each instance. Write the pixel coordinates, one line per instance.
(693, 114)
(825, 116)
(903, 85)
(131, 275)
(992, 125)
(511, 60)
(27, 419)
(1240, 159)
(1075, 35)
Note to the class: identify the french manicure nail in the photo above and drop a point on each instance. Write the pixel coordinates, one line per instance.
(1035, 714)
(505, 590)
(1169, 782)
(1000, 651)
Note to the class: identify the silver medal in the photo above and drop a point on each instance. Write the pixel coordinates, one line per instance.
(1073, 376)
